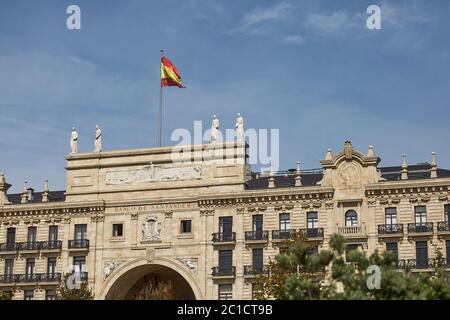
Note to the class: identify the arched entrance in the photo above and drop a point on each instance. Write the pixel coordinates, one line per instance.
(141, 279)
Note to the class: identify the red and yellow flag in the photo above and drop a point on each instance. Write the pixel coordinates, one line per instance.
(169, 74)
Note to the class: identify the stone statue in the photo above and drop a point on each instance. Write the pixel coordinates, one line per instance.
(98, 139)
(74, 141)
(240, 128)
(215, 129)
(151, 229)
(110, 267)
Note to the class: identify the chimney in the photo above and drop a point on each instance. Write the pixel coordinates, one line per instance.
(24, 195)
(404, 168)
(46, 192)
(433, 170)
(298, 176)
(3, 190)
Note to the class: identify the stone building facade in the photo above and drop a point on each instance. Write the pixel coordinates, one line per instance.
(207, 224)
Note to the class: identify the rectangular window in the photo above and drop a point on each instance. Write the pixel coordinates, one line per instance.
(420, 215)
(447, 251)
(29, 294)
(186, 226)
(348, 248)
(225, 291)
(392, 247)
(50, 294)
(421, 253)
(31, 263)
(32, 232)
(257, 223)
(80, 231)
(117, 230)
(51, 265)
(312, 220)
(447, 213)
(257, 257)
(225, 260)
(10, 238)
(53, 234)
(226, 225)
(391, 216)
(79, 264)
(285, 221)
(9, 266)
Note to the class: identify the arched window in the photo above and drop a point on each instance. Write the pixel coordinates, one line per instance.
(351, 218)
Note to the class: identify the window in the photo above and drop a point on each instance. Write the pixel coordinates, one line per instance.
(32, 234)
(447, 251)
(51, 265)
(257, 256)
(421, 253)
(31, 263)
(225, 260)
(50, 295)
(351, 218)
(392, 247)
(312, 220)
(9, 267)
(283, 250)
(10, 238)
(447, 213)
(420, 215)
(348, 248)
(79, 264)
(226, 225)
(391, 216)
(117, 229)
(29, 295)
(225, 291)
(80, 231)
(53, 234)
(186, 226)
(285, 221)
(313, 250)
(257, 223)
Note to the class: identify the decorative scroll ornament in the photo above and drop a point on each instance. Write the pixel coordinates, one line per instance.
(110, 267)
(151, 229)
(153, 173)
(191, 263)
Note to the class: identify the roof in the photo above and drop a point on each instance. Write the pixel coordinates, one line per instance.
(54, 196)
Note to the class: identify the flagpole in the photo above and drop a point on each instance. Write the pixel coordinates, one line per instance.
(160, 104)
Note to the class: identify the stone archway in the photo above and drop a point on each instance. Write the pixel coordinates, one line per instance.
(130, 278)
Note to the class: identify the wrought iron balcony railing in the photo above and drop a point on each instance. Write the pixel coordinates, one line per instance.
(255, 270)
(256, 235)
(224, 237)
(286, 234)
(79, 244)
(223, 271)
(443, 226)
(312, 233)
(8, 247)
(387, 229)
(421, 264)
(51, 245)
(27, 246)
(29, 278)
(426, 227)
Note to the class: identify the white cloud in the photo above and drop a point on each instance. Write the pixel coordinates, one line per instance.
(293, 39)
(334, 22)
(255, 22)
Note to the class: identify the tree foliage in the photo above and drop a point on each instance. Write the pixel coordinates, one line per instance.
(5, 296)
(80, 292)
(303, 274)
(156, 290)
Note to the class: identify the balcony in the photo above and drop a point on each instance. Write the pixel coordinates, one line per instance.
(30, 278)
(224, 238)
(312, 234)
(443, 228)
(355, 232)
(420, 229)
(223, 272)
(50, 245)
(78, 245)
(27, 246)
(390, 230)
(8, 248)
(252, 270)
(416, 265)
(283, 235)
(256, 236)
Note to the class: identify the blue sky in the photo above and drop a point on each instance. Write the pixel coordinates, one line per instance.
(310, 68)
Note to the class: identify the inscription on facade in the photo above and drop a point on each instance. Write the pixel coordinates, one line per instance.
(153, 207)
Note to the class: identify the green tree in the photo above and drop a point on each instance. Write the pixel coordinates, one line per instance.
(79, 292)
(5, 296)
(334, 274)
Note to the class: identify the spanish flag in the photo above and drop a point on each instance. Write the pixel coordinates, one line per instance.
(169, 74)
